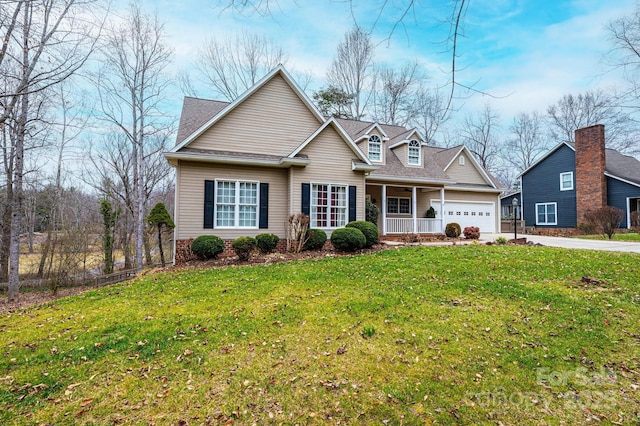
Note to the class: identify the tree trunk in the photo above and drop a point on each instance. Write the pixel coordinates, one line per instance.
(6, 236)
(147, 247)
(160, 245)
(16, 204)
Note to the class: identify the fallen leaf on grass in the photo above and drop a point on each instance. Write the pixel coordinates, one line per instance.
(86, 402)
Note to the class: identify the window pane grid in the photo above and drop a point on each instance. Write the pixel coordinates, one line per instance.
(414, 152)
(375, 146)
(236, 204)
(328, 206)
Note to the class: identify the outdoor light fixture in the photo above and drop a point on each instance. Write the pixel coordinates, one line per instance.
(515, 219)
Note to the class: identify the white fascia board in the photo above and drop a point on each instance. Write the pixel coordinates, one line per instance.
(172, 157)
(551, 151)
(343, 134)
(473, 189)
(407, 180)
(226, 110)
(479, 167)
(363, 167)
(621, 179)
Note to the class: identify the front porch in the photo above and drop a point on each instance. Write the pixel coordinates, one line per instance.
(403, 208)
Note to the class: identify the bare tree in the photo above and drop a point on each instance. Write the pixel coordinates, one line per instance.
(131, 86)
(429, 113)
(480, 134)
(395, 92)
(593, 107)
(527, 141)
(232, 66)
(351, 69)
(44, 43)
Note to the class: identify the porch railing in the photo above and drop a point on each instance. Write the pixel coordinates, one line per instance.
(397, 225)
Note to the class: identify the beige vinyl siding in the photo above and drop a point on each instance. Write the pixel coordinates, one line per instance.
(190, 206)
(273, 120)
(464, 174)
(402, 152)
(331, 162)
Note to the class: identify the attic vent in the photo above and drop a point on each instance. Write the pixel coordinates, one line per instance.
(461, 160)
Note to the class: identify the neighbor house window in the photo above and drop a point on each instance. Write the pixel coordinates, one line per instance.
(414, 153)
(397, 205)
(375, 148)
(546, 214)
(566, 181)
(236, 204)
(328, 206)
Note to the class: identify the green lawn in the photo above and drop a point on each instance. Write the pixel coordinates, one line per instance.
(462, 334)
(631, 236)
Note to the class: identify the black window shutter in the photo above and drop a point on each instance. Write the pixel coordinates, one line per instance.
(306, 198)
(263, 221)
(352, 203)
(208, 204)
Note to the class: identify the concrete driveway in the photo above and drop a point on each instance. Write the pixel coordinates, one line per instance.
(573, 243)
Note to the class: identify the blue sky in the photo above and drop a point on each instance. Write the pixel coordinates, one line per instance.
(527, 54)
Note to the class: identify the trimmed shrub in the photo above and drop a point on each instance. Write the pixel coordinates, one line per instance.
(369, 230)
(431, 213)
(267, 242)
(315, 239)
(471, 232)
(243, 247)
(372, 212)
(207, 246)
(348, 239)
(452, 230)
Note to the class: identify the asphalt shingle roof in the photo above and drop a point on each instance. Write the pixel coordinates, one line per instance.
(620, 165)
(195, 113)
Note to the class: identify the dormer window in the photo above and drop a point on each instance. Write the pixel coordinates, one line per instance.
(461, 160)
(375, 148)
(414, 153)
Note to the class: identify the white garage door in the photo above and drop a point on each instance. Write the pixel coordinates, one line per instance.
(481, 215)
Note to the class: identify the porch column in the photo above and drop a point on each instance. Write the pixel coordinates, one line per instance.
(384, 209)
(442, 209)
(414, 209)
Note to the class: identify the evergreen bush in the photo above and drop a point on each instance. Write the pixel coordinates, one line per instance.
(348, 239)
(267, 243)
(207, 246)
(369, 230)
(315, 239)
(452, 230)
(243, 247)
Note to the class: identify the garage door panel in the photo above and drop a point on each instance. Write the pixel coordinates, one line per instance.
(469, 214)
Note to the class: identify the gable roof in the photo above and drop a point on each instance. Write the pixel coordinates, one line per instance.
(343, 134)
(618, 165)
(278, 71)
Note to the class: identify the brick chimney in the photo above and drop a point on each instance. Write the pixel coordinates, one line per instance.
(591, 184)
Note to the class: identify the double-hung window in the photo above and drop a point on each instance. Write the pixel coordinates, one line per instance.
(328, 205)
(546, 214)
(397, 205)
(414, 153)
(566, 181)
(375, 148)
(236, 204)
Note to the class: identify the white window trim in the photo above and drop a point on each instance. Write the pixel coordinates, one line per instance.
(379, 143)
(546, 223)
(312, 223)
(561, 176)
(398, 213)
(236, 217)
(409, 147)
(461, 160)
